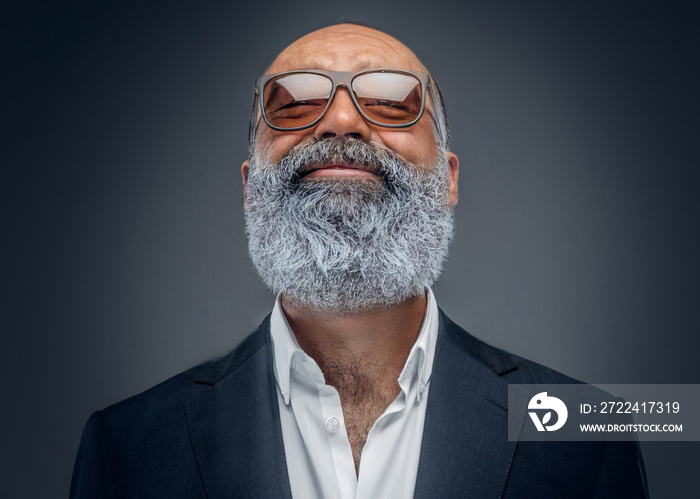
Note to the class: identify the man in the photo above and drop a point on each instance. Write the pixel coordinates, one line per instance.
(356, 385)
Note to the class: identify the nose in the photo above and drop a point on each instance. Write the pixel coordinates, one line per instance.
(342, 119)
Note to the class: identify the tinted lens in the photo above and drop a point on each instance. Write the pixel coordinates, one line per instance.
(296, 100)
(389, 98)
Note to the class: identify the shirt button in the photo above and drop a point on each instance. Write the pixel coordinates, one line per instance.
(332, 424)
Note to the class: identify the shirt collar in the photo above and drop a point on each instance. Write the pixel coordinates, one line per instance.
(287, 352)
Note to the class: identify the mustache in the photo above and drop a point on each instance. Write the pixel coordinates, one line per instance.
(306, 157)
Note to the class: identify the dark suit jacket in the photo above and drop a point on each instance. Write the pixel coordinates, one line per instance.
(214, 431)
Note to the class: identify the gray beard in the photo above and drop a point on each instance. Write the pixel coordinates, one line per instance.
(342, 245)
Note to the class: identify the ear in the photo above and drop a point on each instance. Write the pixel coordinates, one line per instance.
(453, 170)
(244, 174)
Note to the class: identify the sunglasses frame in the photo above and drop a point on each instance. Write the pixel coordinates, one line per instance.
(345, 79)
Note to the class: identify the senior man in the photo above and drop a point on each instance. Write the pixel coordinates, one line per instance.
(356, 385)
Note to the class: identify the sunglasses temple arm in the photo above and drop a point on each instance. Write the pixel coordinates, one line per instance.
(253, 122)
(439, 118)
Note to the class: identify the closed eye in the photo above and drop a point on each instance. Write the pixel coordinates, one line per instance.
(298, 103)
(386, 103)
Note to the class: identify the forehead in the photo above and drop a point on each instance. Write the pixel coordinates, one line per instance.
(346, 47)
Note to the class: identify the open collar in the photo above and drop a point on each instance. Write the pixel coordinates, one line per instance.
(287, 354)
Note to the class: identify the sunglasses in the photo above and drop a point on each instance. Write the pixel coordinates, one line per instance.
(391, 98)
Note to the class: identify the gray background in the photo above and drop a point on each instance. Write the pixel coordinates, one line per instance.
(123, 254)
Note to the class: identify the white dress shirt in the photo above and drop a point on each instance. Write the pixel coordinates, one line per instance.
(318, 453)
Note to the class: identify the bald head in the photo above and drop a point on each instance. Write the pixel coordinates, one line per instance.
(333, 45)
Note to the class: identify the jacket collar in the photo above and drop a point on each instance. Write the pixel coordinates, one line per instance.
(465, 450)
(234, 424)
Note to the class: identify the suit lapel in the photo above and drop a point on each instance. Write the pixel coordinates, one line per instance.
(465, 450)
(237, 439)
(234, 425)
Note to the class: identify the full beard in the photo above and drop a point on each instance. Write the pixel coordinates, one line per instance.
(342, 245)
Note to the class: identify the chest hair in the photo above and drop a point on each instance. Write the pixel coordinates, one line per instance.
(366, 390)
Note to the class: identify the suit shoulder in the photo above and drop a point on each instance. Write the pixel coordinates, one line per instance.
(177, 389)
(514, 368)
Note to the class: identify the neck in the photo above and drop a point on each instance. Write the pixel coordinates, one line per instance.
(360, 355)
(379, 338)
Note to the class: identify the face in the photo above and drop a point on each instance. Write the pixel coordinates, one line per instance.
(347, 216)
(351, 48)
